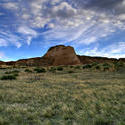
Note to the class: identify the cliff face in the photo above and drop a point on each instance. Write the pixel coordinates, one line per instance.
(62, 55)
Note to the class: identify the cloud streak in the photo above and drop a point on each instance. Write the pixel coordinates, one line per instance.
(68, 21)
(7, 38)
(111, 51)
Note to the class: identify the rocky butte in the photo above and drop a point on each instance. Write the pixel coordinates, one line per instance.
(60, 55)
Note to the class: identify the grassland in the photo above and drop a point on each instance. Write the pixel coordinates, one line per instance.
(72, 96)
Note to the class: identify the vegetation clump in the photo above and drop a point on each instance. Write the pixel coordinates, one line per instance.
(87, 66)
(119, 66)
(52, 69)
(70, 71)
(77, 67)
(95, 64)
(28, 70)
(40, 70)
(60, 68)
(71, 66)
(97, 67)
(8, 77)
(12, 72)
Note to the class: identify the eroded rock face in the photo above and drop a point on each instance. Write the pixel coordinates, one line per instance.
(62, 55)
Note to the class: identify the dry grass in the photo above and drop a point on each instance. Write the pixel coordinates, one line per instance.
(62, 98)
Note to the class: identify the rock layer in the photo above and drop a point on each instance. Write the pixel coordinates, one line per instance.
(62, 55)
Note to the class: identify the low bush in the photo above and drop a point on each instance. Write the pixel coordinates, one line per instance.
(8, 77)
(95, 64)
(2, 68)
(40, 70)
(8, 72)
(70, 71)
(59, 68)
(118, 64)
(87, 66)
(52, 69)
(28, 70)
(103, 122)
(106, 65)
(23, 67)
(14, 73)
(77, 67)
(71, 66)
(97, 67)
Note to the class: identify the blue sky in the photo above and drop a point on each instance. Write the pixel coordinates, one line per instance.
(93, 27)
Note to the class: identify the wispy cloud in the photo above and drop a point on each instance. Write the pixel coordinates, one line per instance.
(7, 38)
(91, 16)
(28, 33)
(2, 55)
(3, 42)
(112, 51)
(77, 22)
(11, 5)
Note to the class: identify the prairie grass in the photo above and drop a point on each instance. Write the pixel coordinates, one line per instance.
(82, 97)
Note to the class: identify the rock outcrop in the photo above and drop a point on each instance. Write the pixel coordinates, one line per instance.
(62, 55)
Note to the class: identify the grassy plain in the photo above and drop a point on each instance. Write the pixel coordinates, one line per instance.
(72, 96)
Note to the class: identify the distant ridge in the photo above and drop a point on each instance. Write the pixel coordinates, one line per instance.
(60, 55)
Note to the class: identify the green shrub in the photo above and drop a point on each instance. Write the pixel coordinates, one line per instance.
(87, 66)
(23, 67)
(118, 64)
(2, 68)
(59, 68)
(70, 71)
(15, 71)
(103, 122)
(106, 65)
(52, 69)
(40, 70)
(8, 72)
(94, 64)
(28, 70)
(8, 77)
(97, 67)
(71, 66)
(77, 67)
(16, 74)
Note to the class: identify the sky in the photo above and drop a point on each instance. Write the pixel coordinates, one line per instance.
(93, 27)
